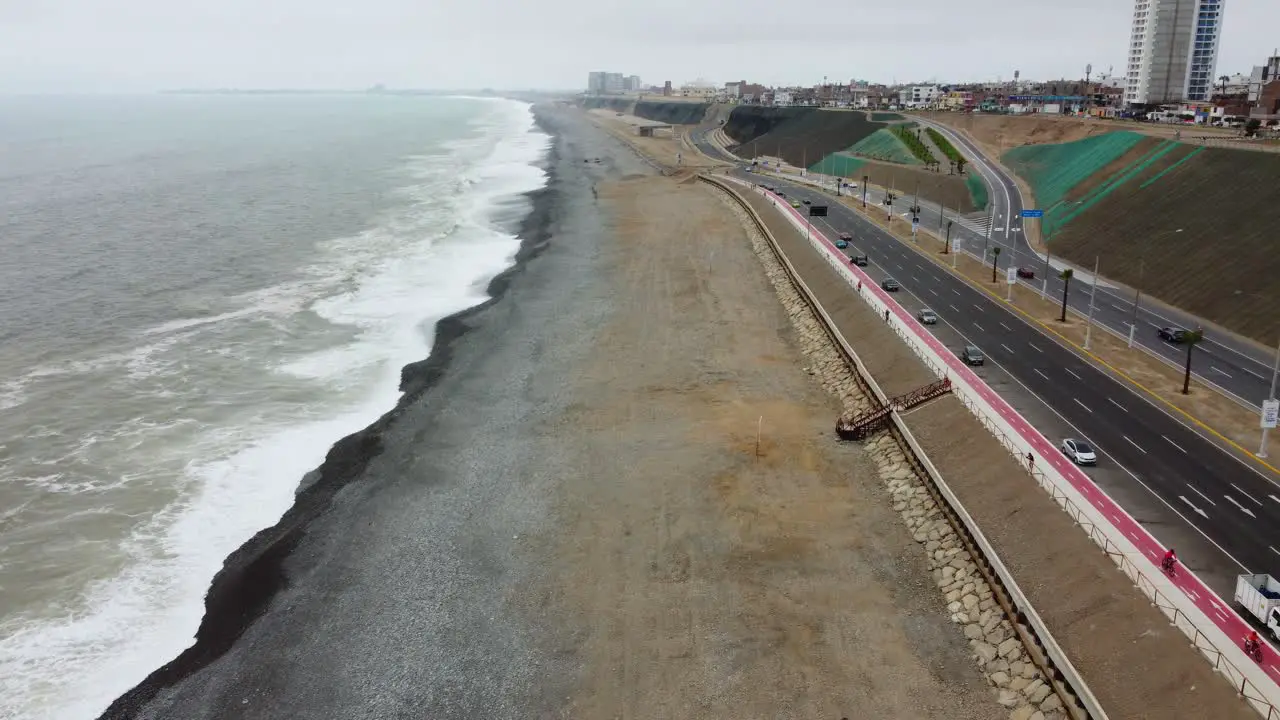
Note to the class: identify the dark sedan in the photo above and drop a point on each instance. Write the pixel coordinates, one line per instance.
(890, 285)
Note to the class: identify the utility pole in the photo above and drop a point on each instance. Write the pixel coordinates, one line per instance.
(1044, 288)
(1137, 291)
(1093, 292)
(1275, 370)
(865, 178)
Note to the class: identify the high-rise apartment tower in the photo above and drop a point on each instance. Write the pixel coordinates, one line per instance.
(1173, 49)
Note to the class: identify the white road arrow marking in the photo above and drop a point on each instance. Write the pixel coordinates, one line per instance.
(1203, 514)
(1243, 509)
(1273, 497)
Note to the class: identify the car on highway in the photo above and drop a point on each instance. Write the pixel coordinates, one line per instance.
(1173, 335)
(795, 203)
(1027, 273)
(779, 193)
(1079, 451)
(842, 243)
(890, 285)
(859, 260)
(927, 317)
(971, 355)
(846, 236)
(806, 201)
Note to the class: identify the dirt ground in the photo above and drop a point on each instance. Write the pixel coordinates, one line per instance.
(1132, 659)
(663, 147)
(708, 581)
(1204, 403)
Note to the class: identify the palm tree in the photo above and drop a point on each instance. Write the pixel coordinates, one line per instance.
(1191, 339)
(1225, 79)
(1066, 276)
(995, 262)
(960, 163)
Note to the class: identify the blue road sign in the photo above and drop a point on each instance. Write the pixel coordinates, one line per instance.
(1032, 213)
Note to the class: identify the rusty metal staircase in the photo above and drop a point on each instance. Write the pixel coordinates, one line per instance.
(860, 426)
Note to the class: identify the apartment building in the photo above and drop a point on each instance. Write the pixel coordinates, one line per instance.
(1173, 50)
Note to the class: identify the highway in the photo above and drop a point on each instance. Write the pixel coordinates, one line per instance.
(1218, 496)
(1237, 366)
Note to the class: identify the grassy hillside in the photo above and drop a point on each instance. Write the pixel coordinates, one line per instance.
(884, 145)
(1192, 226)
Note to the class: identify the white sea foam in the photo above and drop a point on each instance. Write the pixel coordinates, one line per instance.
(388, 286)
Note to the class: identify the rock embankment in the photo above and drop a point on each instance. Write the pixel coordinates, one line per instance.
(1016, 681)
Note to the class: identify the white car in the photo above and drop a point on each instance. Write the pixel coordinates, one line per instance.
(1080, 452)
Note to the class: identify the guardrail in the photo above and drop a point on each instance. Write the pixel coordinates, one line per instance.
(1083, 501)
(1031, 629)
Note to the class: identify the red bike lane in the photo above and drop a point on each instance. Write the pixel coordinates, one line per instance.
(1208, 602)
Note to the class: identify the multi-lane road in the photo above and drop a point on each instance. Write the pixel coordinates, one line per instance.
(1235, 365)
(1227, 502)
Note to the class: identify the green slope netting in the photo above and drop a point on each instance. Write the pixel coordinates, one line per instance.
(1052, 170)
(977, 189)
(884, 145)
(841, 165)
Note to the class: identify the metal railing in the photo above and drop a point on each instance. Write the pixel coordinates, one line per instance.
(1097, 532)
(1028, 625)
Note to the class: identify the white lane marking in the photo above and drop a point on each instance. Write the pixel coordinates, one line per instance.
(1126, 437)
(1006, 327)
(1273, 550)
(1206, 497)
(1242, 492)
(1273, 497)
(1073, 374)
(1086, 407)
(1113, 402)
(1010, 350)
(979, 309)
(1117, 307)
(953, 307)
(1166, 439)
(935, 292)
(1192, 593)
(1243, 509)
(1215, 369)
(1260, 376)
(1203, 514)
(1033, 347)
(1046, 377)
(979, 327)
(955, 291)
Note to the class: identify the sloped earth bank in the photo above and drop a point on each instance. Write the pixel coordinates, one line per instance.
(1223, 265)
(1134, 661)
(800, 136)
(566, 515)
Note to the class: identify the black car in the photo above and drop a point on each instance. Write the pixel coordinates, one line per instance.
(1173, 335)
(972, 355)
(859, 260)
(890, 285)
(779, 193)
(805, 201)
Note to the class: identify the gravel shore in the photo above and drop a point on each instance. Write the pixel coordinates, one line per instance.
(568, 516)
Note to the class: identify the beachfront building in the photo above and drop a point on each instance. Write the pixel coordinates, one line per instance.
(1173, 50)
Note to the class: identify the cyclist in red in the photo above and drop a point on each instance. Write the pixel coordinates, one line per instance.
(1252, 644)
(1170, 559)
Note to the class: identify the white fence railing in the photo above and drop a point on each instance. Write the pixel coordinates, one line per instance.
(1189, 604)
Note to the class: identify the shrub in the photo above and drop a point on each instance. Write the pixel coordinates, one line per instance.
(913, 143)
(945, 145)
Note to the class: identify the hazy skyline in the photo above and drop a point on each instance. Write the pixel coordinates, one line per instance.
(148, 45)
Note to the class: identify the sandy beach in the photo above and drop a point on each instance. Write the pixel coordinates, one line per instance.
(566, 515)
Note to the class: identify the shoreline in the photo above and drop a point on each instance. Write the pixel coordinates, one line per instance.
(253, 575)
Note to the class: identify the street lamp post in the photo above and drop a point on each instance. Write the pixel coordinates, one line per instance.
(1137, 291)
(1271, 395)
(865, 178)
(1088, 330)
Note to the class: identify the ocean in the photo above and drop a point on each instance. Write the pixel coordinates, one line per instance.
(199, 295)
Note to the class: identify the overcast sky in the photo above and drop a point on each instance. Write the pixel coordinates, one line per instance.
(145, 45)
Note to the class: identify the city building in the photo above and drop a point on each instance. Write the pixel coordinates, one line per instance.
(1263, 74)
(595, 83)
(1173, 50)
